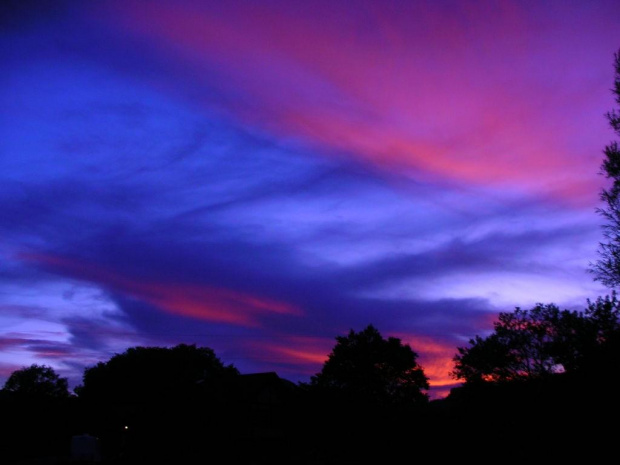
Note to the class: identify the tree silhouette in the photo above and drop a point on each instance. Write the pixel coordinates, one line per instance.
(602, 347)
(366, 367)
(607, 268)
(158, 404)
(37, 381)
(539, 342)
(520, 347)
(153, 372)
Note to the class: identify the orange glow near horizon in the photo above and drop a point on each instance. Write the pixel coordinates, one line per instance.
(436, 359)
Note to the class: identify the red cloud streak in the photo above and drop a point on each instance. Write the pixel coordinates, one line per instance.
(188, 300)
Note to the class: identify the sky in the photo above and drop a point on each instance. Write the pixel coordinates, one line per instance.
(261, 177)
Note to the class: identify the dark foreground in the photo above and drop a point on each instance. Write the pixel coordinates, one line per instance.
(556, 420)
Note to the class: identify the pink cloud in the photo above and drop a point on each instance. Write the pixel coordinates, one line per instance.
(189, 300)
(11, 342)
(7, 369)
(443, 91)
(42, 348)
(307, 354)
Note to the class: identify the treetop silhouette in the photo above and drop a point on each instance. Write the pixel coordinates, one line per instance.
(607, 267)
(365, 366)
(37, 381)
(152, 372)
(539, 342)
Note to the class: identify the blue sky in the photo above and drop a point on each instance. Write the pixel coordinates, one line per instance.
(259, 178)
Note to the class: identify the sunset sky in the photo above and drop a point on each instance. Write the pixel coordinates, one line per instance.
(259, 177)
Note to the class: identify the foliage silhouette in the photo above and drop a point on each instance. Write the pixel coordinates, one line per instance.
(142, 373)
(364, 366)
(601, 349)
(519, 347)
(539, 342)
(154, 404)
(37, 381)
(607, 267)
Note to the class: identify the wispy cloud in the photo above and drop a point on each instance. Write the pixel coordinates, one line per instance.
(261, 177)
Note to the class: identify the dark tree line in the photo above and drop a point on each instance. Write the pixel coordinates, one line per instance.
(142, 373)
(363, 365)
(367, 404)
(154, 404)
(541, 342)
